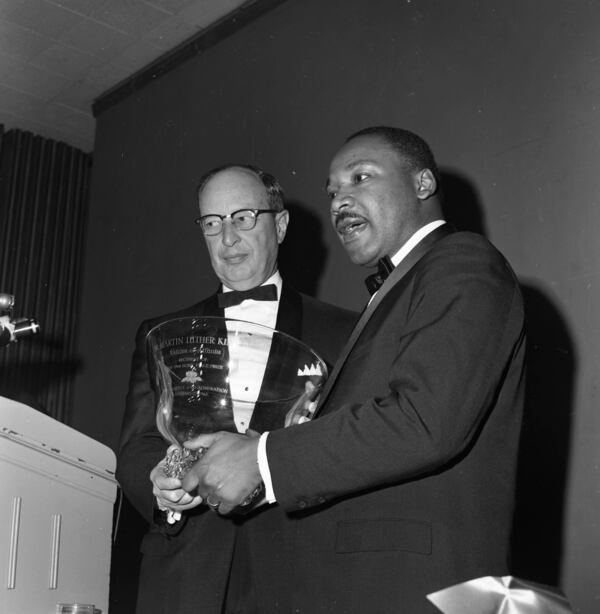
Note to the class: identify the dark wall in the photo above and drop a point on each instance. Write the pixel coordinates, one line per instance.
(507, 94)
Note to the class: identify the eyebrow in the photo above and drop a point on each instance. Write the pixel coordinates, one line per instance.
(356, 163)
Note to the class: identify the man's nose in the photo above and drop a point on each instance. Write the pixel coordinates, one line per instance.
(229, 234)
(341, 200)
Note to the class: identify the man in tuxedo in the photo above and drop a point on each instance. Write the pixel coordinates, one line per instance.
(404, 482)
(195, 560)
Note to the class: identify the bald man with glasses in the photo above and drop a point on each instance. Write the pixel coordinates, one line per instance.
(204, 562)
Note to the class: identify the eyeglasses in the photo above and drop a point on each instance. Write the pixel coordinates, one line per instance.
(242, 219)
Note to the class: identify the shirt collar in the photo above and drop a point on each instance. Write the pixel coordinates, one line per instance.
(274, 279)
(415, 239)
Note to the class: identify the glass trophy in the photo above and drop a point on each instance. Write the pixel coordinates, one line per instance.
(218, 374)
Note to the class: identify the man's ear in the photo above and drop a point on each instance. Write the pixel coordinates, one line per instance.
(281, 223)
(426, 184)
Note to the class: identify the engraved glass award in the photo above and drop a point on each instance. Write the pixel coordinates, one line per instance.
(218, 374)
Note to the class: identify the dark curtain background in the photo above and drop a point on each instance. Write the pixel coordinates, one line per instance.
(43, 210)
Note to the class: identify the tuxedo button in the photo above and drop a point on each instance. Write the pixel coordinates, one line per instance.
(302, 504)
(322, 499)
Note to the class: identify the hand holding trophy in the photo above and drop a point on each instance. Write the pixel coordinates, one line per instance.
(216, 374)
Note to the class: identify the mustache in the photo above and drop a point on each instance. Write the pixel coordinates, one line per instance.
(344, 218)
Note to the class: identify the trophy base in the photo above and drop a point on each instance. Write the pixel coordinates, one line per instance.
(180, 460)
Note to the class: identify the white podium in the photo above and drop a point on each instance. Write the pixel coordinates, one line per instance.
(56, 508)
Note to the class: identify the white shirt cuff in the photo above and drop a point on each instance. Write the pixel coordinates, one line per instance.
(172, 516)
(263, 467)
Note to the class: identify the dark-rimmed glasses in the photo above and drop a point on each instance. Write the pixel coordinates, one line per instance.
(242, 219)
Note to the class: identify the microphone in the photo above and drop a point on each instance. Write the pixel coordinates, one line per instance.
(12, 329)
(7, 302)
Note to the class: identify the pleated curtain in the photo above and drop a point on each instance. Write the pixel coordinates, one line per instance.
(43, 206)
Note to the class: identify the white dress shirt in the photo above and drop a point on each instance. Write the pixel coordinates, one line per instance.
(245, 384)
(263, 464)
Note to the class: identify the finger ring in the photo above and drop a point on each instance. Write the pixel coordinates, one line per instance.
(211, 504)
(253, 495)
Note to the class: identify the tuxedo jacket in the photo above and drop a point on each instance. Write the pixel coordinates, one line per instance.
(185, 567)
(404, 482)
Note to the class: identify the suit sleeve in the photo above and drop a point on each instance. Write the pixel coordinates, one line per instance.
(141, 446)
(438, 352)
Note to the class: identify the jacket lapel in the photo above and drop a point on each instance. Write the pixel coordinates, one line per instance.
(270, 415)
(289, 314)
(210, 307)
(395, 276)
(220, 419)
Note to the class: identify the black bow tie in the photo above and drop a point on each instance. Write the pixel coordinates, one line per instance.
(235, 297)
(384, 267)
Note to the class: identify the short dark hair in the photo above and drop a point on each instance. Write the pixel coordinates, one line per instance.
(409, 145)
(272, 186)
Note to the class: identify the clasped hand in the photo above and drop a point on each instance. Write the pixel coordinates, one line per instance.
(227, 473)
(169, 492)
